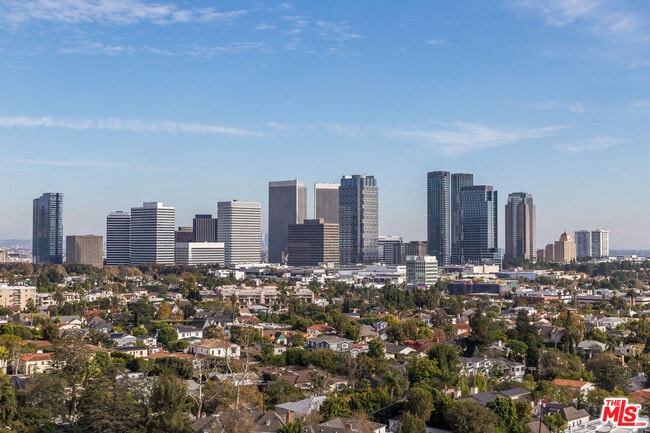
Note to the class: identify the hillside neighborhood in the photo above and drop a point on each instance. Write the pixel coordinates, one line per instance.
(279, 349)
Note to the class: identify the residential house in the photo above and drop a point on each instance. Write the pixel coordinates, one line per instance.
(186, 332)
(135, 351)
(581, 386)
(215, 347)
(346, 425)
(321, 329)
(574, 417)
(122, 339)
(330, 342)
(34, 363)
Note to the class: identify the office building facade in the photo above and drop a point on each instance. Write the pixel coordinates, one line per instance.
(358, 220)
(240, 230)
(118, 238)
(200, 253)
(204, 228)
(84, 250)
(421, 271)
(184, 234)
(564, 249)
(313, 242)
(583, 243)
(439, 216)
(458, 182)
(478, 225)
(520, 227)
(390, 249)
(47, 228)
(287, 205)
(152, 234)
(326, 202)
(599, 244)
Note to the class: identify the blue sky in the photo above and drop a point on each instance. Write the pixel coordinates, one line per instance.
(116, 102)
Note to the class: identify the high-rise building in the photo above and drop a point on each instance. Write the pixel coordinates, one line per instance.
(564, 250)
(413, 248)
(421, 271)
(478, 224)
(84, 250)
(439, 216)
(152, 234)
(287, 205)
(326, 202)
(520, 226)
(583, 243)
(599, 244)
(118, 238)
(47, 228)
(458, 182)
(240, 229)
(313, 242)
(204, 228)
(390, 248)
(358, 220)
(184, 234)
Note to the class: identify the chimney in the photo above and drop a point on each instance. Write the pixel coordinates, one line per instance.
(287, 417)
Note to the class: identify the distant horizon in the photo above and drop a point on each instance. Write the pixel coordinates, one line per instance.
(190, 103)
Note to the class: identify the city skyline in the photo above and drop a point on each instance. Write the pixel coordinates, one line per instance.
(116, 103)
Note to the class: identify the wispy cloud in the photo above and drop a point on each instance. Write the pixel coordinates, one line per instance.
(574, 107)
(97, 48)
(640, 106)
(115, 124)
(595, 143)
(463, 137)
(558, 12)
(119, 12)
(623, 33)
(72, 163)
(436, 42)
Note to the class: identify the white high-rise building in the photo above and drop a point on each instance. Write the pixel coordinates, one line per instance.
(240, 229)
(583, 243)
(421, 271)
(152, 234)
(599, 244)
(118, 238)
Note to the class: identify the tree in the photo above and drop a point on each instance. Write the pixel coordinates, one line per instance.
(335, 407)
(419, 402)
(517, 350)
(8, 404)
(410, 423)
(166, 335)
(105, 397)
(468, 416)
(376, 349)
(281, 391)
(446, 357)
(422, 370)
(608, 372)
(506, 412)
(169, 406)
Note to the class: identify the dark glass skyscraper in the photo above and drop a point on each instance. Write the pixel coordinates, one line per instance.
(358, 220)
(458, 182)
(438, 216)
(478, 224)
(204, 228)
(520, 226)
(287, 205)
(47, 228)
